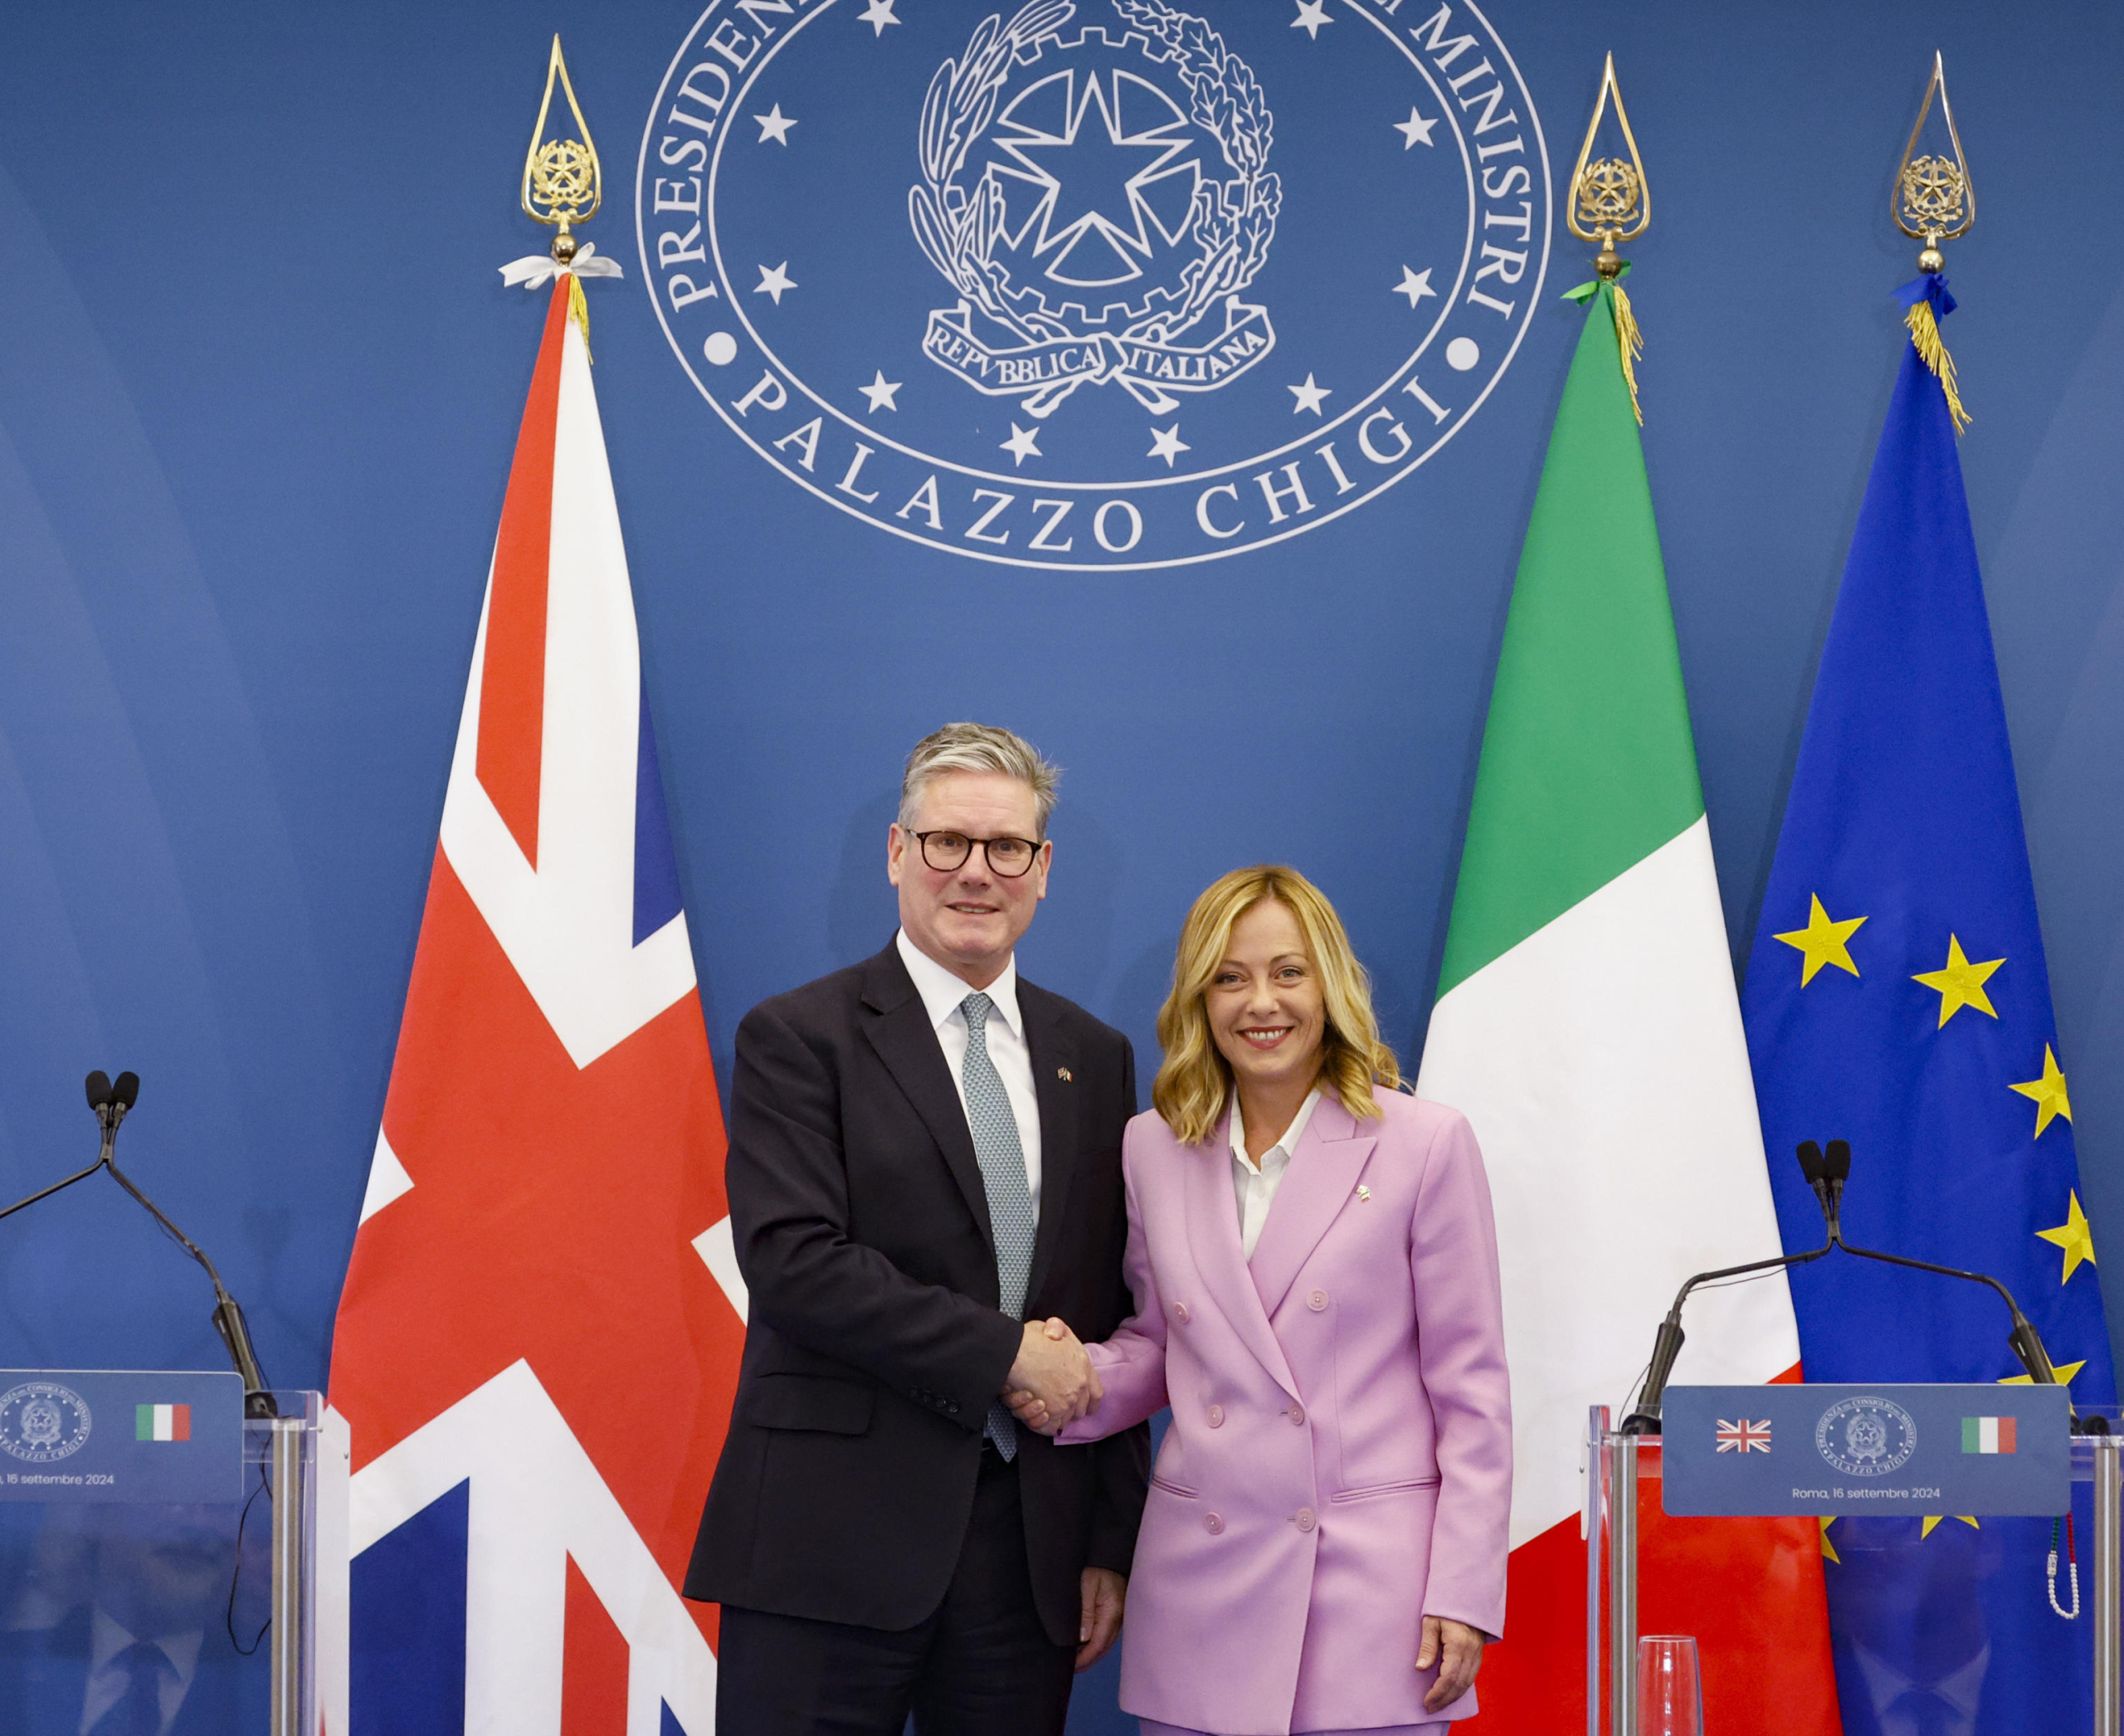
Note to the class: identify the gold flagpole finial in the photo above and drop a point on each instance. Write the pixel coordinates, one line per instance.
(562, 184)
(1934, 200)
(1610, 201)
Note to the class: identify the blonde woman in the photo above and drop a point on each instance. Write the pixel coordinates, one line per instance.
(1314, 1270)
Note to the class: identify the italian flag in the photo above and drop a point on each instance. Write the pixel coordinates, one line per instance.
(161, 1422)
(1988, 1434)
(1587, 1026)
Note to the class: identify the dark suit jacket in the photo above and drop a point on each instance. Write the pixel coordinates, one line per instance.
(876, 1344)
(44, 1683)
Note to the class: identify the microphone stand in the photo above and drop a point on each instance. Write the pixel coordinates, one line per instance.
(110, 1103)
(1826, 1173)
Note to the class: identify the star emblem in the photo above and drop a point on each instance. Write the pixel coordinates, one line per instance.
(1415, 285)
(1823, 942)
(1416, 129)
(1959, 982)
(2050, 1094)
(1166, 443)
(1309, 396)
(1828, 1548)
(1024, 443)
(1312, 14)
(2065, 1371)
(880, 15)
(773, 283)
(2072, 1236)
(774, 125)
(880, 391)
(1935, 1519)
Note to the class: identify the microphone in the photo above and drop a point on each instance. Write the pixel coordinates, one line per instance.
(1667, 1345)
(112, 1100)
(1826, 1171)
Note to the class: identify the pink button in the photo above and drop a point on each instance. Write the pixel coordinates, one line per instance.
(1213, 1522)
(1180, 1313)
(1306, 1518)
(1216, 1415)
(1316, 1301)
(1296, 1414)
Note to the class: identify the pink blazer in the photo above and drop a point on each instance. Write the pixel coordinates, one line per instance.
(1339, 1463)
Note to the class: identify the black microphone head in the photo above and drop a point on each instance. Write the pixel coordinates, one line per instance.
(99, 1089)
(1837, 1163)
(125, 1090)
(1810, 1161)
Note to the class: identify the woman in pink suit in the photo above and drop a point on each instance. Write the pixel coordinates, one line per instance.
(1315, 1285)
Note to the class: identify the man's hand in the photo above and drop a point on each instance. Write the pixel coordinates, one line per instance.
(1462, 1649)
(1051, 1384)
(1103, 1591)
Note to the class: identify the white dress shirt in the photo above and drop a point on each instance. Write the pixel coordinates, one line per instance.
(941, 993)
(109, 1680)
(1256, 1183)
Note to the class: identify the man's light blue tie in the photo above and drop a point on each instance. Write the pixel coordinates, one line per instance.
(1003, 1175)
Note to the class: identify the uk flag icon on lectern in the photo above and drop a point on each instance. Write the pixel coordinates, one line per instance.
(539, 1334)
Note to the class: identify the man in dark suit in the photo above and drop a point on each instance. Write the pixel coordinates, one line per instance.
(925, 1187)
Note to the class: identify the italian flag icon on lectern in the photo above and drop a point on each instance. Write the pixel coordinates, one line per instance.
(161, 1422)
(1588, 1026)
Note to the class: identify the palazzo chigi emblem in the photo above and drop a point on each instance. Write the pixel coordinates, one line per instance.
(1204, 284)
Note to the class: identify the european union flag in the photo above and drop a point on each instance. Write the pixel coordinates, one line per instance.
(1897, 998)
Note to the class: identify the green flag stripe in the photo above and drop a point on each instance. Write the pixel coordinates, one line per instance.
(1587, 763)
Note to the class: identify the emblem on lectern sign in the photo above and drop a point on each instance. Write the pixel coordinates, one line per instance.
(41, 1422)
(1093, 283)
(1867, 1437)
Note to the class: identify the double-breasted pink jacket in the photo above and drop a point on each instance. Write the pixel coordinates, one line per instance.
(1339, 1462)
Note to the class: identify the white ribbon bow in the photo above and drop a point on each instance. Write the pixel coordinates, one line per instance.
(539, 269)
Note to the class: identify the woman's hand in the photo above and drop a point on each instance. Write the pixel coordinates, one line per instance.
(1456, 1649)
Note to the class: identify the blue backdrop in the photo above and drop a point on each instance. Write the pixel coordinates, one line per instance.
(259, 385)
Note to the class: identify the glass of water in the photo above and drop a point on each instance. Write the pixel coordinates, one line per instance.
(1669, 1686)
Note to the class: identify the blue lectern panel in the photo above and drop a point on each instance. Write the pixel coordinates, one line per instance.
(68, 1435)
(1980, 1449)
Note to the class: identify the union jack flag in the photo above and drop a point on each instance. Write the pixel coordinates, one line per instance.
(538, 1338)
(1744, 1437)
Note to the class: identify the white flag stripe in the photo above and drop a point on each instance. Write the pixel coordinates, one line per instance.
(1602, 1065)
(165, 1423)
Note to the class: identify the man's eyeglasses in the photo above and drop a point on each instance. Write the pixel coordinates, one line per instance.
(1009, 858)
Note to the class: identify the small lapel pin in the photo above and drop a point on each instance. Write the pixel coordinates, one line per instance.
(1066, 1075)
(1364, 1193)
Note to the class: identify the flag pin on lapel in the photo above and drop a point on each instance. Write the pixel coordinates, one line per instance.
(1066, 1075)
(1364, 1193)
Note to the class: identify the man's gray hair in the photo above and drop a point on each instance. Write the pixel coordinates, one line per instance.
(978, 748)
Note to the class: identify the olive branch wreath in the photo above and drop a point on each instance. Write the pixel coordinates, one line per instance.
(1233, 222)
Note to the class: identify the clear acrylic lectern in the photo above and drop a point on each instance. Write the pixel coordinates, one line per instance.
(158, 1556)
(1622, 1496)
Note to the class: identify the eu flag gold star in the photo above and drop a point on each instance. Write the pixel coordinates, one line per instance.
(1960, 983)
(1828, 1548)
(2049, 1093)
(1934, 1519)
(2065, 1371)
(2072, 1236)
(1823, 942)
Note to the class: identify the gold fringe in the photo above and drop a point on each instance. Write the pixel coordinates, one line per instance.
(1925, 333)
(579, 311)
(1631, 342)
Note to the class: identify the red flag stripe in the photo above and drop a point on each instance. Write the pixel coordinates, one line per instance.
(513, 680)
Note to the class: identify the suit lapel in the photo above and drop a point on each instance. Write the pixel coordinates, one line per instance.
(1213, 1238)
(898, 1028)
(1053, 1056)
(1324, 1174)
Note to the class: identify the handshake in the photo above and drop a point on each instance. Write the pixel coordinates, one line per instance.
(1052, 1383)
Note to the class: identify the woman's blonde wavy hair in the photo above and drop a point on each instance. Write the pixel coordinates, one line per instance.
(1195, 1080)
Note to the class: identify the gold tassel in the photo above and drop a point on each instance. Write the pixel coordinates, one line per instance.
(1925, 333)
(1631, 342)
(579, 311)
